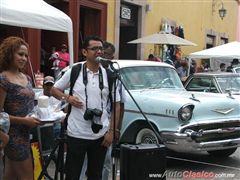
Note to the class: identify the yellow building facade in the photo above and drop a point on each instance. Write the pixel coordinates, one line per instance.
(199, 18)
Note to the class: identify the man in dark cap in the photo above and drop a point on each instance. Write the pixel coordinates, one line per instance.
(234, 63)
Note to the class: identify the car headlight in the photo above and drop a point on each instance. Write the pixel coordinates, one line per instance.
(185, 112)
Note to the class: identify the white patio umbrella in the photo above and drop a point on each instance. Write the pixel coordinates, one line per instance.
(163, 38)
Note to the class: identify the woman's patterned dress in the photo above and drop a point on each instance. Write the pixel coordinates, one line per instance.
(19, 102)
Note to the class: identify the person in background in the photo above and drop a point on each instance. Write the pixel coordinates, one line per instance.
(193, 67)
(151, 57)
(234, 63)
(206, 67)
(199, 68)
(183, 69)
(17, 99)
(108, 53)
(48, 83)
(51, 64)
(90, 93)
(222, 67)
(60, 60)
(4, 138)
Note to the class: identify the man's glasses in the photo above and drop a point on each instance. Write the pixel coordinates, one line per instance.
(96, 48)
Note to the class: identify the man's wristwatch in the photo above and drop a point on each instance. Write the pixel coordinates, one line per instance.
(64, 98)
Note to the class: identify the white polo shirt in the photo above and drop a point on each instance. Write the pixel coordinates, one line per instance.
(78, 127)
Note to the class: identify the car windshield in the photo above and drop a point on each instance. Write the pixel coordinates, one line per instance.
(150, 77)
(229, 83)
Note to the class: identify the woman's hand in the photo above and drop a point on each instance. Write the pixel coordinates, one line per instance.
(32, 121)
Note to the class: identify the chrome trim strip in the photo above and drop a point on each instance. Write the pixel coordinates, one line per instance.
(147, 113)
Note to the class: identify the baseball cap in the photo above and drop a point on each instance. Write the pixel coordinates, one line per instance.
(48, 79)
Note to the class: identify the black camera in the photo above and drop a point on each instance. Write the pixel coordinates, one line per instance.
(90, 113)
(94, 115)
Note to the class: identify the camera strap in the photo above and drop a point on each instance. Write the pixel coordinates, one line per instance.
(85, 82)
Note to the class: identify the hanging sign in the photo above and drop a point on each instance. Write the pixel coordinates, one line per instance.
(125, 13)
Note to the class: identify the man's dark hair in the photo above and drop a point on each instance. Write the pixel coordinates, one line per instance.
(235, 61)
(107, 45)
(150, 56)
(89, 38)
(222, 65)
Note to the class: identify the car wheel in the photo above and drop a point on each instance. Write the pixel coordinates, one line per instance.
(146, 136)
(222, 153)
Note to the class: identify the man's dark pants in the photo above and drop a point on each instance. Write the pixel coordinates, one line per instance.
(76, 150)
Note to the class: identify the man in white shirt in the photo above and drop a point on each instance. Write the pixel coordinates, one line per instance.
(89, 132)
(108, 53)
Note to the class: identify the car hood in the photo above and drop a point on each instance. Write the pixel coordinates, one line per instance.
(167, 102)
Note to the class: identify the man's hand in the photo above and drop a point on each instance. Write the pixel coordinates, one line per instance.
(108, 139)
(74, 101)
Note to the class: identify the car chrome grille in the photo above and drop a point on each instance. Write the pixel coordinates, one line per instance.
(217, 136)
(198, 127)
(213, 132)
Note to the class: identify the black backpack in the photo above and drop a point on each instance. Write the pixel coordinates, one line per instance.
(73, 77)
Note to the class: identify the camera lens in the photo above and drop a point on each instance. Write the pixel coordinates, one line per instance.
(96, 127)
(97, 112)
(88, 115)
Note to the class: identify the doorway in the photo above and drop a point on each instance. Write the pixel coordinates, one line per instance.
(89, 24)
(128, 31)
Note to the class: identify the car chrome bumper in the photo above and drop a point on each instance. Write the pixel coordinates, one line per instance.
(186, 141)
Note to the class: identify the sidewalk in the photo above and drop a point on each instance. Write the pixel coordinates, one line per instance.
(51, 171)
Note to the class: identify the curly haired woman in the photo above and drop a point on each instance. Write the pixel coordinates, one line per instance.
(17, 99)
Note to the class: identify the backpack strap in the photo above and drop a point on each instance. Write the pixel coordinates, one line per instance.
(73, 77)
(111, 79)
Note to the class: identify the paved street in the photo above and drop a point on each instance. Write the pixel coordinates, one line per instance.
(177, 163)
(223, 168)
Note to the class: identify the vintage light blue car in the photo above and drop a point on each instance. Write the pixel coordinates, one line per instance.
(184, 121)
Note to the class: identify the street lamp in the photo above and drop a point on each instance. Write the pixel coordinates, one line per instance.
(222, 12)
